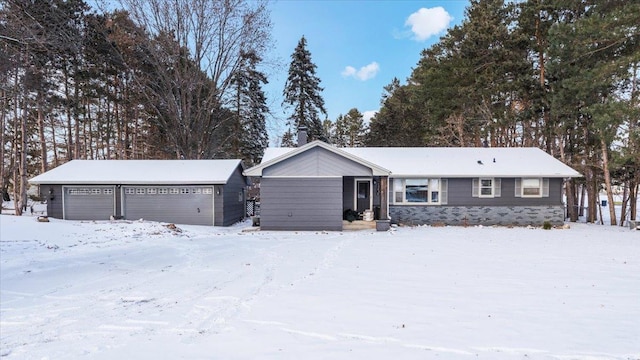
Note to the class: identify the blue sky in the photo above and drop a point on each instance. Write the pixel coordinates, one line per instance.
(357, 46)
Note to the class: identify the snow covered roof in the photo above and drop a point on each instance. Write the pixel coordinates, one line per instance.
(139, 172)
(453, 162)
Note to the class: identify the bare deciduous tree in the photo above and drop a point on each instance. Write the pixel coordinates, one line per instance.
(195, 48)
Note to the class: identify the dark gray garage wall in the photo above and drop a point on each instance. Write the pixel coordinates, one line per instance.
(54, 206)
(229, 205)
(301, 203)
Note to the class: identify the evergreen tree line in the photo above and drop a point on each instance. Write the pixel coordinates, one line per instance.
(558, 75)
(155, 79)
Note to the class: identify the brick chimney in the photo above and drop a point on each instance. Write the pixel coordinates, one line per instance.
(302, 136)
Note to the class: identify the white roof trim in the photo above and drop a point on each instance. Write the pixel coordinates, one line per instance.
(376, 169)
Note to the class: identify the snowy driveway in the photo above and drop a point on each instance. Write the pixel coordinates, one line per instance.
(140, 290)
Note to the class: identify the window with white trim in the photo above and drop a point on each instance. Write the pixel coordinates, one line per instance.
(184, 190)
(129, 191)
(108, 191)
(174, 191)
(152, 191)
(486, 187)
(207, 191)
(532, 187)
(163, 191)
(418, 191)
(79, 191)
(140, 191)
(196, 191)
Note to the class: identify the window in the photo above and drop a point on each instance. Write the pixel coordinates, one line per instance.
(129, 191)
(207, 191)
(196, 191)
(163, 191)
(108, 191)
(173, 191)
(418, 191)
(184, 190)
(79, 191)
(140, 191)
(96, 191)
(532, 187)
(152, 191)
(486, 187)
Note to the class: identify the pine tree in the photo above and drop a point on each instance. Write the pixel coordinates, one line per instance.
(350, 129)
(302, 92)
(251, 109)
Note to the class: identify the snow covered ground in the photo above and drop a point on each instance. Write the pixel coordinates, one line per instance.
(140, 290)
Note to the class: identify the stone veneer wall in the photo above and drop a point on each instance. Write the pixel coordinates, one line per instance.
(477, 215)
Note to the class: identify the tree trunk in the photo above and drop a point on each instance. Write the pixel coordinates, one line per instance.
(69, 127)
(16, 148)
(3, 113)
(633, 200)
(43, 142)
(572, 207)
(583, 195)
(23, 157)
(625, 202)
(592, 194)
(607, 180)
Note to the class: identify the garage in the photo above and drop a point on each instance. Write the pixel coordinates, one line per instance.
(193, 192)
(88, 202)
(177, 204)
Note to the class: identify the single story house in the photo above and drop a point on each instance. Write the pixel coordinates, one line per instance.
(196, 192)
(310, 187)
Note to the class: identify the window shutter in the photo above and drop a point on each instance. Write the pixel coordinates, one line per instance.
(497, 185)
(444, 187)
(474, 188)
(545, 187)
(518, 191)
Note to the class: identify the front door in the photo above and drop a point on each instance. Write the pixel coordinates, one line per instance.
(363, 195)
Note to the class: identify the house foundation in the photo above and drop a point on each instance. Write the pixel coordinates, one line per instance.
(477, 215)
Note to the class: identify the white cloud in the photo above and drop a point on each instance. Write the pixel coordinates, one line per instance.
(427, 22)
(365, 73)
(348, 71)
(367, 115)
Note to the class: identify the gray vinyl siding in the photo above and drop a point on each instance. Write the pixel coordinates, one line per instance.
(229, 205)
(54, 206)
(301, 204)
(191, 208)
(89, 207)
(317, 162)
(459, 194)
